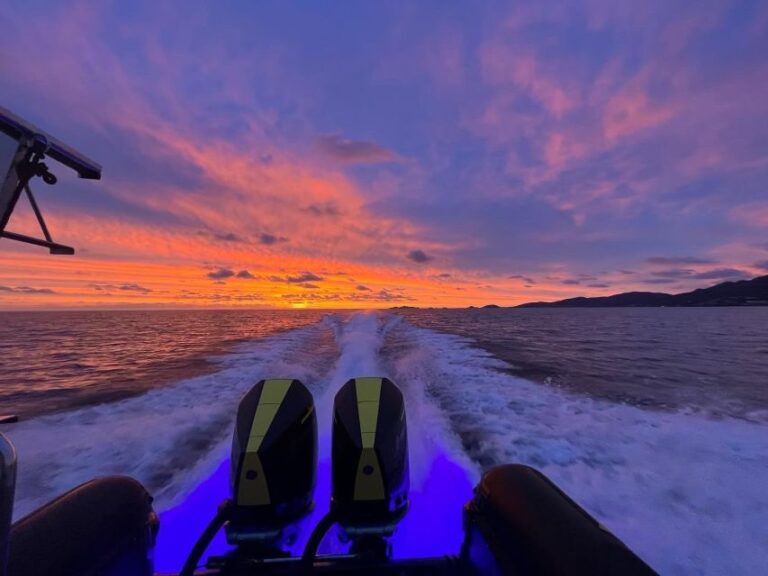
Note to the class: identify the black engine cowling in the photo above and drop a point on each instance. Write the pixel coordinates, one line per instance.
(370, 455)
(274, 458)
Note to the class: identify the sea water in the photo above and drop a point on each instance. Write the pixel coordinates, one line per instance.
(654, 420)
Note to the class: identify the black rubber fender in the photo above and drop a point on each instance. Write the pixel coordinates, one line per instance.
(103, 527)
(520, 522)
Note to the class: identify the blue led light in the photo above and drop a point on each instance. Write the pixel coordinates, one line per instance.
(432, 527)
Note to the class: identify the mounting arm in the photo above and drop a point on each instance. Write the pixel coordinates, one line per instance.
(23, 147)
(30, 165)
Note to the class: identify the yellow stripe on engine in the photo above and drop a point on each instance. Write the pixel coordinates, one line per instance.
(368, 486)
(253, 490)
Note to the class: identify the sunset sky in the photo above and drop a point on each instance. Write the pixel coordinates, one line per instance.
(357, 154)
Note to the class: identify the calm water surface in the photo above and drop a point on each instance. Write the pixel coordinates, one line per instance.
(700, 358)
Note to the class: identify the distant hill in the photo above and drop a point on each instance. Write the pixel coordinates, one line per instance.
(742, 293)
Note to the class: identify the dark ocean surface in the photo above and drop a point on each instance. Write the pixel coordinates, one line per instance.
(57, 360)
(655, 420)
(715, 359)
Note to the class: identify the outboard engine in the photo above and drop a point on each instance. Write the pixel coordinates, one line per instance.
(272, 476)
(370, 457)
(274, 460)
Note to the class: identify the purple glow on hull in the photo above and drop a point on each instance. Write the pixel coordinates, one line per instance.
(432, 527)
(181, 525)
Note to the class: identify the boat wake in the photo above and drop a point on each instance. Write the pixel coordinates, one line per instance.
(170, 438)
(684, 491)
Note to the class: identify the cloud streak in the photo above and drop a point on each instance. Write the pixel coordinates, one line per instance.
(300, 279)
(673, 260)
(26, 290)
(353, 151)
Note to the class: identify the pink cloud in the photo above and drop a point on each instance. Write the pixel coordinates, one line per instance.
(603, 118)
(561, 148)
(504, 66)
(631, 111)
(754, 214)
(237, 192)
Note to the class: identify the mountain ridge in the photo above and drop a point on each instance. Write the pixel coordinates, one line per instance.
(752, 292)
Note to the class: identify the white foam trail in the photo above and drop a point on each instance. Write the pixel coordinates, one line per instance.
(685, 492)
(169, 438)
(430, 433)
(360, 340)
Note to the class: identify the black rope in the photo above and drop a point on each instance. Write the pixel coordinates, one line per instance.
(205, 539)
(310, 550)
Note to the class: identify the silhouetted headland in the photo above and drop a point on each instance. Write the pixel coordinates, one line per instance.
(741, 293)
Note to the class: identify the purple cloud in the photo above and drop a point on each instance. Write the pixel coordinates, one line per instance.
(27, 290)
(324, 209)
(674, 273)
(716, 274)
(353, 151)
(270, 239)
(134, 288)
(221, 274)
(228, 237)
(526, 279)
(673, 260)
(419, 256)
(723, 274)
(302, 278)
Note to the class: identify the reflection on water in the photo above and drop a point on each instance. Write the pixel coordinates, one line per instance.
(58, 360)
